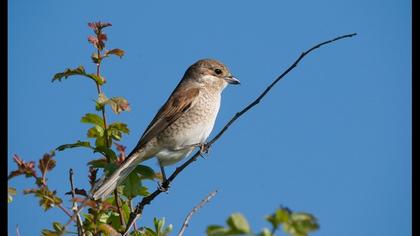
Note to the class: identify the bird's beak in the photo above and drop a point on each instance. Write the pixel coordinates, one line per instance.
(232, 80)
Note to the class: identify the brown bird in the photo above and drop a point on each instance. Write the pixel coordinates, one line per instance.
(185, 120)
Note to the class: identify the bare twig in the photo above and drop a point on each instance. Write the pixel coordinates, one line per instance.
(131, 210)
(17, 230)
(80, 231)
(147, 200)
(65, 211)
(195, 209)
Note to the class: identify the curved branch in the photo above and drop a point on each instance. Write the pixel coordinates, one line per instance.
(194, 210)
(147, 200)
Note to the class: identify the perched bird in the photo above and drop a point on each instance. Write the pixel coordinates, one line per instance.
(185, 120)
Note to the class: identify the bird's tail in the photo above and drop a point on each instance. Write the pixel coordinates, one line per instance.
(106, 186)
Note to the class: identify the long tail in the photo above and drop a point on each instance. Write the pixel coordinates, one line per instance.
(106, 186)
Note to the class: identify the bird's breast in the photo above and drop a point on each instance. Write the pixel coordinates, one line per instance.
(194, 126)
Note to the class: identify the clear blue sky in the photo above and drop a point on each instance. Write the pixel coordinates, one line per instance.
(333, 138)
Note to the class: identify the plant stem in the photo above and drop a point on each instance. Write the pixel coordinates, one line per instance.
(131, 210)
(80, 231)
(65, 210)
(108, 145)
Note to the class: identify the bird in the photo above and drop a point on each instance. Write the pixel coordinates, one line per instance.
(184, 121)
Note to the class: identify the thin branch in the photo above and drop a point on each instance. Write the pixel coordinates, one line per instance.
(131, 210)
(17, 230)
(195, 209)
(80, 231)
(147, 200)
(65, 210)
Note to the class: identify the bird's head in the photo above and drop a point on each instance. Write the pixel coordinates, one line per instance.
(211, 73)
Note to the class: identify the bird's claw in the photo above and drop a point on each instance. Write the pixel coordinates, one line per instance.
(164, 186)
(204, 148)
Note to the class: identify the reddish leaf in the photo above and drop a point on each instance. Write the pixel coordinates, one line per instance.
(102, 37)
(78, 192)
(98, 26)
(93, 40)
(46, 163)
(88, 202)
(92, 175)
(119, 104)
(98, 163)
(121, 150)
(28, 169)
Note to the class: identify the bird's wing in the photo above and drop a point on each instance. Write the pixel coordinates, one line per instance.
(178, 103)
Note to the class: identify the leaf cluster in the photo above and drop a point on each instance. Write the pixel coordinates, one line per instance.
(293, 223)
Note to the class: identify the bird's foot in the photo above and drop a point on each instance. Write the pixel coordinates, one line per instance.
(164, 186)
(204, 148)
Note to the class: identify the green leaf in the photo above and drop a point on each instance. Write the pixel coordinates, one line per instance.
(57, 226)
(74, 145)
(93, 119)
(114, 219)
(116, 51)
(279, 217)
(160, 228)
(98, 163)
(265, 232)
(238, 223)
(301, 224)
(100, 142)
(216, 230)
(10, 193)
(132, 185)
(108, 230)
(119, 126)
(69, 72)
(106, 152)
(145, 172)
(98, 79)
(78, 71)
(96, 132)
(58, 230)
(110, 168)
(116, 129)
(47, 198)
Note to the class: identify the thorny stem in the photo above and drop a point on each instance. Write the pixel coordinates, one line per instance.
(147, 200)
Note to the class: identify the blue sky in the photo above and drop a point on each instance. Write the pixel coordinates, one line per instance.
(333, 138)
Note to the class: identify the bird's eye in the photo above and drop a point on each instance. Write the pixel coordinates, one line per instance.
(218, 71)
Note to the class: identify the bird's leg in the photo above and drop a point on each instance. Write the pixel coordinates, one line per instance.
(163, 173)
(164, 180)
(204, 148)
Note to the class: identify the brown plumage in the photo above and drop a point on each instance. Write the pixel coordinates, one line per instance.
(186, 118)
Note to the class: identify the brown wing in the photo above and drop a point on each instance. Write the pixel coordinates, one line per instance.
(178, 103)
